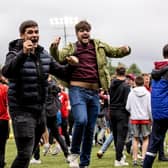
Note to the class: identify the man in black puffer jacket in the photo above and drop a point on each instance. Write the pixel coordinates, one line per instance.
(27, 68)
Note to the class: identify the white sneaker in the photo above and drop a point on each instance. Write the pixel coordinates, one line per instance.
(73, 160)
(56, 150)
(139, 156)
(120, 163)
(124, 157)
(46, 148)
(34, 161)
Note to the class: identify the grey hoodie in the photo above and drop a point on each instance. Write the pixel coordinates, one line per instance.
(139, 104)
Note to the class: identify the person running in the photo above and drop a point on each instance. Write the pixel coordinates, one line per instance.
(64, 98)
(53, 105)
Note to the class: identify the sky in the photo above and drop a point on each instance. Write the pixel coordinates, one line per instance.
(141, 24)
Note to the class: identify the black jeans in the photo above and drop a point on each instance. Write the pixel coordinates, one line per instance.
(4, 134)
(52, 125)
(119, 126)
(64, 126)
(37, 153)
(27, 131)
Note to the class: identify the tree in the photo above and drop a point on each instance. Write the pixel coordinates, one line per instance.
(134, 69)
(111, 68)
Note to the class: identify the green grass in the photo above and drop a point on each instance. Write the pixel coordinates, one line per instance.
(58, 161)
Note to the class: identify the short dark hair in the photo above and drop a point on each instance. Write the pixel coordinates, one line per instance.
(83, 24)
(139, 81)
(165, 51)
(26, 24)
(121, 70)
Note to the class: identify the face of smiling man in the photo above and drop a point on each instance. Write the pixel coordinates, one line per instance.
(83, 36)
(32, 34)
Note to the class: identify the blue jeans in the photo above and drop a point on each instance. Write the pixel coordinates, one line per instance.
(107, 142)
(85, 107)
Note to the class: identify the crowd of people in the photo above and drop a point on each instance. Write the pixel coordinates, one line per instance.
(131, 109)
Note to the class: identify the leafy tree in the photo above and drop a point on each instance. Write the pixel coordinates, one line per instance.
(134, 69)
(111, 68)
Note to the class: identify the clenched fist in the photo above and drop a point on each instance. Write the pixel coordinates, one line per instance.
(28, 47)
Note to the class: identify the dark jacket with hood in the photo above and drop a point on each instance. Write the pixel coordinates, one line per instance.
(53, 103)
(27, 75)
(119, 91)
(159, 93)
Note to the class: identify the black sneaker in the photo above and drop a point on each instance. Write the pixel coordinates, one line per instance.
(163, 158)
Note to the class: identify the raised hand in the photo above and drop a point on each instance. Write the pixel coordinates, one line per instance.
(28, 47)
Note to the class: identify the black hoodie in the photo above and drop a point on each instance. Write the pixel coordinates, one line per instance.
(119, 91)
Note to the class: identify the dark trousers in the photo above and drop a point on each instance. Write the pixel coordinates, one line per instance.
(52, 125)
(27, 131)
(64, 126)
(71, 122)
(159, 129)
(119, 126)
(161, 149)
(37, 153)
(4, 134)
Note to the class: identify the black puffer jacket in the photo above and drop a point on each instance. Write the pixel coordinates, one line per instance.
(28, 75)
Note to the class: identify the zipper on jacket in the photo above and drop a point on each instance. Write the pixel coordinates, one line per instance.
(39, 78)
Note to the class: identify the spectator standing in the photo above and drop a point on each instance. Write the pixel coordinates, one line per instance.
(119, 91)
(159, 106)
(139, 106)
(147, 81)
(130, 79)
(147, 84)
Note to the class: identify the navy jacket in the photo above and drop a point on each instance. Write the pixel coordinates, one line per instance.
(27, 75)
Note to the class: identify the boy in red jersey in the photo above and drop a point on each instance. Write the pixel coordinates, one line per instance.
(64, 98)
